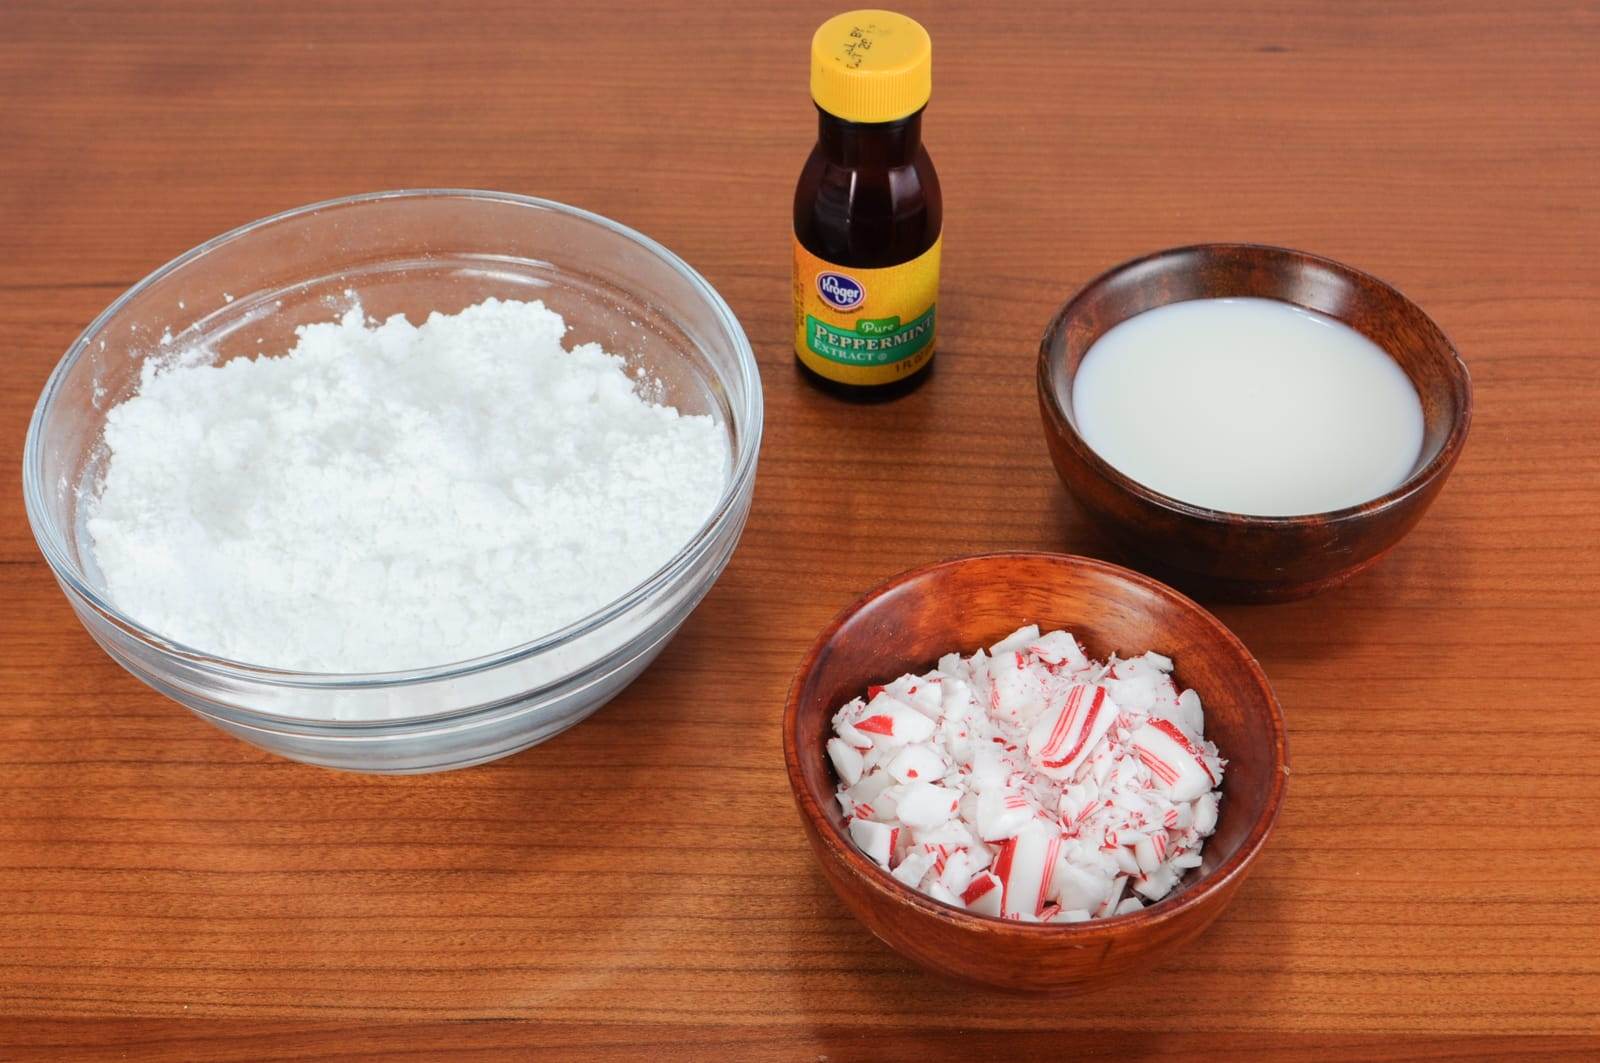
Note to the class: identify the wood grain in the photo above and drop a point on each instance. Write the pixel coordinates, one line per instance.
(641, 885)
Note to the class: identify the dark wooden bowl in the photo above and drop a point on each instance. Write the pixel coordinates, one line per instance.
(1227, 555)
(905, 625)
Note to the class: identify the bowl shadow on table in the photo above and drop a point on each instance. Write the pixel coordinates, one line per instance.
(1225, 971)
(1340, 618)
(642, 898)
(488, 874)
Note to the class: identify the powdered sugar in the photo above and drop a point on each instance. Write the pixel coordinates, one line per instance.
(1030, 782)
(395, 496)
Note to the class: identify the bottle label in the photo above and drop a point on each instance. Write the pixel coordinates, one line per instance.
(865, 326)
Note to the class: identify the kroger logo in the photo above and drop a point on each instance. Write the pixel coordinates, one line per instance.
(839, 291)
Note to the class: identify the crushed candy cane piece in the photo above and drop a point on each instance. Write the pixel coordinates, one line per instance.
(1030, 782)
(874, 838)
(1177, 764)
(920, 761)
(1017, 640)
(1025, 866)
(1065, 735)
(1001, 814)
(846, 761)
(983, 894)
(887, 721)
(924, 804)
(913, 868)
(1059, 649)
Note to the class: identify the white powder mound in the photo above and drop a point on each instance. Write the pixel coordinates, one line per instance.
(397, 496)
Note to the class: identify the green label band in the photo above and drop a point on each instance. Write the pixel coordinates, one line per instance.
(876, 341)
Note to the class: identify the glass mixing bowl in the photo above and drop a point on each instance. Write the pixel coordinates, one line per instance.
(407, 252)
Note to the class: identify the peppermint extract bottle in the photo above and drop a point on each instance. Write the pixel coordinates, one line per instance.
(867, 212)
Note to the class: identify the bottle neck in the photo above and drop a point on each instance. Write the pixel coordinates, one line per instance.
(859, 144)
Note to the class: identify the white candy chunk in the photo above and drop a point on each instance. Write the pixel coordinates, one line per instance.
(891, 722)
(1136, 691)
(955, 696)
(1205, 814)
(978, 676)
(883, 808)
(1059, 649)
(1100, 768)
(988, 770)
(1159, 661)
(1001, 814)
(1077, 803)
(1166, 700)
(1174, 761)
(870, 798)
(875, 839)
(951, 664)
(938, 892)
(1017, 640)
(983, 894)
(957, 735)
(922, 804)
(1113, 897)
(849, 711)
(1017, 688)
(1026, 865)
(919, 762)
(1158, 883)
(1188, 715)
(1127, 863)
(1074, 887)
(952, 834)
(1134, 809)
(846, 761)
(1129, 904)
(1071, 915)
(912, 868)
(1067, 732)
(960, 867)
(851, 737)
(920, 692)
(1184, 861)
(871, 785)
(1126, 774)
(1150, 851)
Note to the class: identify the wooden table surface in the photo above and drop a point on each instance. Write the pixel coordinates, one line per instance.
(640, 885)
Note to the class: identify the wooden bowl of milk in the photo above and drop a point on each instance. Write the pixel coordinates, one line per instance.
(1251, 423)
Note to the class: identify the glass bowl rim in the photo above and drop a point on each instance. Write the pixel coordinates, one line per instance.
(747, 422)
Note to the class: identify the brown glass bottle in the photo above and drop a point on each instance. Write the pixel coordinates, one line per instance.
(867, 212)
(868, 197)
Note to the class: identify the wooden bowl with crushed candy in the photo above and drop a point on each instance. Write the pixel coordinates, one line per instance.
(864, 682)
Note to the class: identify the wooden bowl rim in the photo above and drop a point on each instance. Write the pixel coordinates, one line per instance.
(1412, 485)
(870, 876)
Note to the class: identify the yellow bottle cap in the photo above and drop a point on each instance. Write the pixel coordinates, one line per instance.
(871, 66)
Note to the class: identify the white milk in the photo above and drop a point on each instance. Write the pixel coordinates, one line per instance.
(1249, 406)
